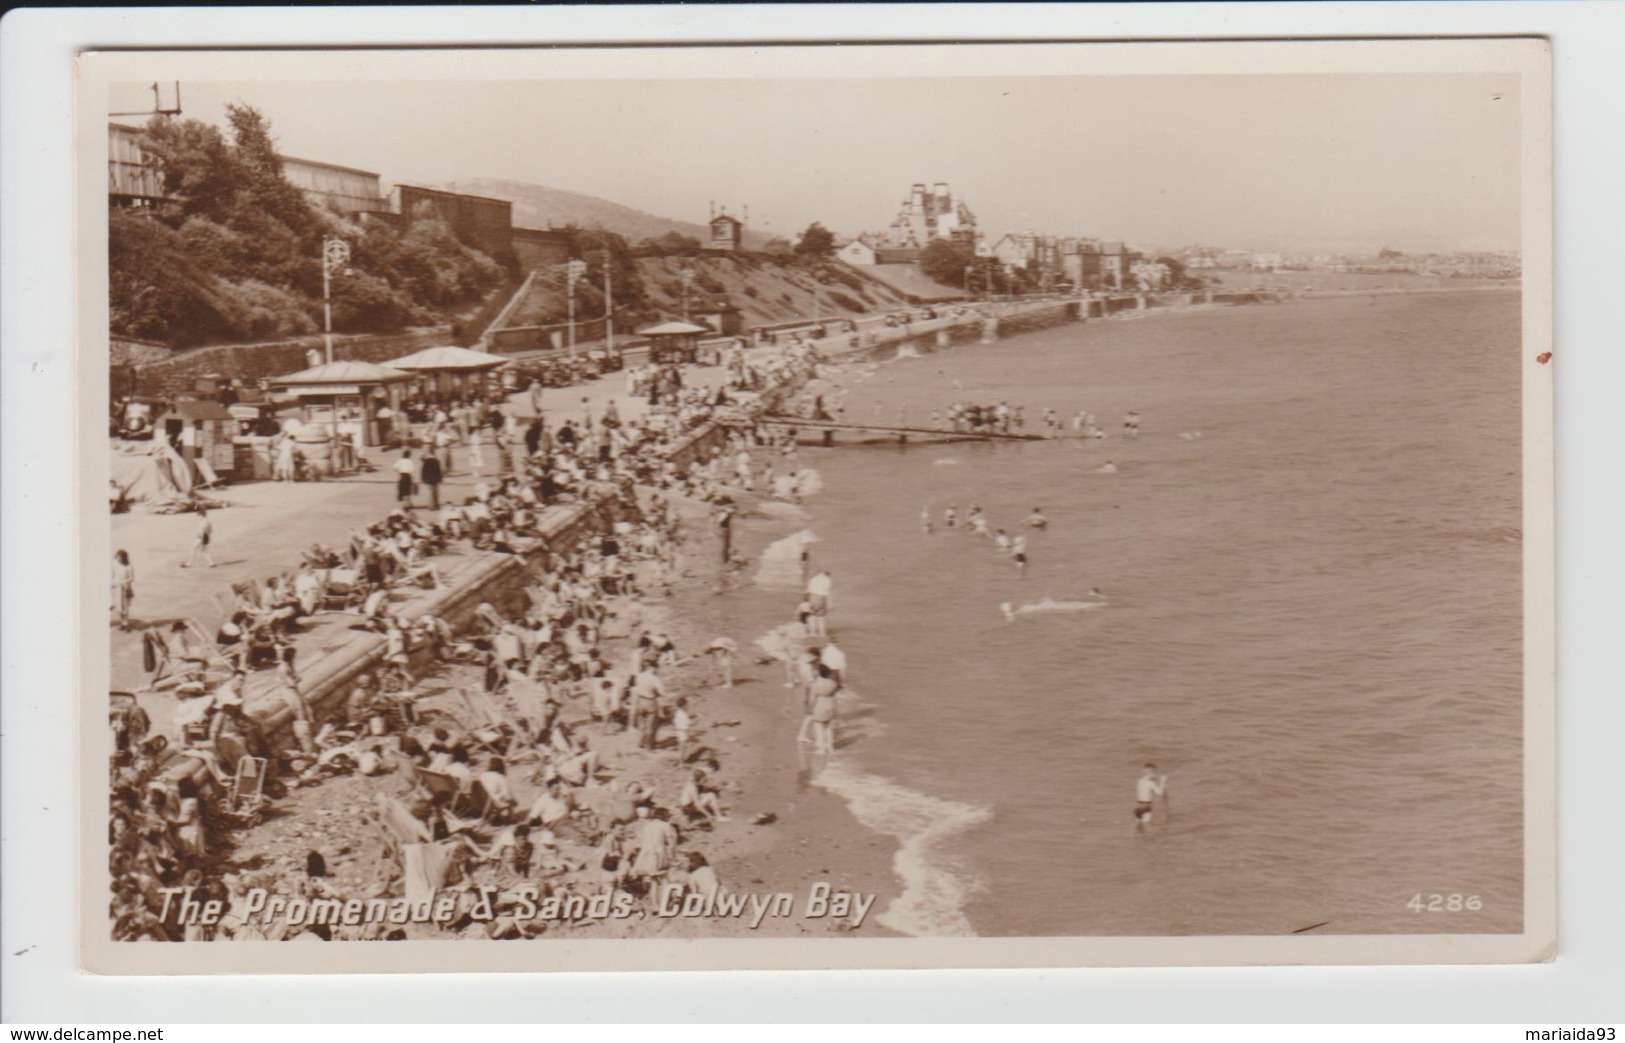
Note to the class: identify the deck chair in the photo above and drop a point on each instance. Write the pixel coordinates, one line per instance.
(440, 786)
(341, 591)
(248, 786)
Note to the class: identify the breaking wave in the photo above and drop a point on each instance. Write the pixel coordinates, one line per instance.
(932, 904)
(780, 563)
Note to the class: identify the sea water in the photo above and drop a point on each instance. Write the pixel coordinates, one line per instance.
(1309, 619)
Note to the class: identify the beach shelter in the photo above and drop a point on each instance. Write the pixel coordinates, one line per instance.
(674, 341)
(448, 369)
(202, 429)
(348, 393)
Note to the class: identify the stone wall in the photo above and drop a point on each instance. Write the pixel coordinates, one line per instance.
(251, 362)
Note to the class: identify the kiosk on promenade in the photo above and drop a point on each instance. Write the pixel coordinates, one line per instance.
(674, 342)
(344, 398)
(447, 371)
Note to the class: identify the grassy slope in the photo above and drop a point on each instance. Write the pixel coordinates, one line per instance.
(766, 291)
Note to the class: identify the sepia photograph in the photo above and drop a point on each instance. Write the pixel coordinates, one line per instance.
(958, 505)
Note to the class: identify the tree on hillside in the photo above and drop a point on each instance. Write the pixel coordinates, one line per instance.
(817, 241)
(777, 246)
(945, 261)
(262, 168)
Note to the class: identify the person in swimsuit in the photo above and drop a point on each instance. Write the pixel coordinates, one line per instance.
(1037, 520)
(950, 517)
(1147, 788)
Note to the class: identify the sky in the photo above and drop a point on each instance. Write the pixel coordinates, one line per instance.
(1339, 162)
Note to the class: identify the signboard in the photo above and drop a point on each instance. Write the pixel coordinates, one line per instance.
(304, 390)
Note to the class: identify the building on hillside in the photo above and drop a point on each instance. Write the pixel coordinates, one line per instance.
(727, 232)
(483, 222)
(133, 179)
(899, 255)
(1266, 262)
(925, 216)
(541, 247)
(1150, 275)
(857, 252)
(345, 189)
(1099, 265)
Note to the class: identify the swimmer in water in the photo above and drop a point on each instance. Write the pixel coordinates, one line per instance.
(978, 525)
(1147, 788)
(950, 517)
(1037, 520)
(1009, 611)
(1001, 541)
(1018, 551)
(1131, 424)
(925, 519)
(1107, 468)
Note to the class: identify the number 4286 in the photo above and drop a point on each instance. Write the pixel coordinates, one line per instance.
(1455, 903)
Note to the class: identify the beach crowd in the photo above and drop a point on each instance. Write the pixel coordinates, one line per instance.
(502, 782)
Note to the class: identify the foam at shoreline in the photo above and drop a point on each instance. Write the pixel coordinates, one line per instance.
(934, 894)
(779, 566)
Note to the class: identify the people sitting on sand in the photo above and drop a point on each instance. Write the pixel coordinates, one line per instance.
(699, 800)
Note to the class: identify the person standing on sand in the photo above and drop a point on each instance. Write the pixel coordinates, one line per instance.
(205, 533)
(819, 589)
(1147, 788)
(647, 692)
(123, 586)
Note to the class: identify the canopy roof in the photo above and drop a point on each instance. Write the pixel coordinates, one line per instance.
(447, 358)
(346, 372)
(671, 329)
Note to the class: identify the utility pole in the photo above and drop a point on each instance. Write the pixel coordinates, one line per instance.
(573, 271)
(609, 310)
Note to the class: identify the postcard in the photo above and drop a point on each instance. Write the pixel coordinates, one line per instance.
(816, 506)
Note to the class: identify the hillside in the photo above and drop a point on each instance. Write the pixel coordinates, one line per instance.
(538, 206)
(765, 290)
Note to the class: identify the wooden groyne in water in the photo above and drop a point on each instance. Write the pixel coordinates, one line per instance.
(901, 431)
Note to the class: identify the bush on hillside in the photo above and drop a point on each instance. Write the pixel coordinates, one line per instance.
(234, 254)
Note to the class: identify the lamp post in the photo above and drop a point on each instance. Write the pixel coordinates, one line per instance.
(335, 254)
